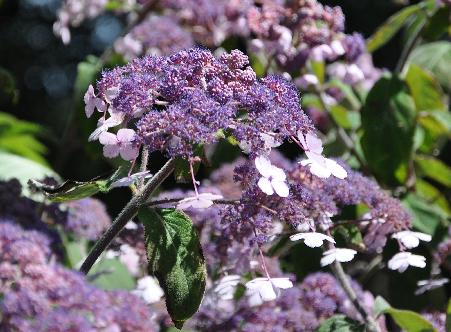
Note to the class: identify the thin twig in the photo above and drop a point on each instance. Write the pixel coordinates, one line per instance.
(343, 279)
(178, 199)
(129, 211)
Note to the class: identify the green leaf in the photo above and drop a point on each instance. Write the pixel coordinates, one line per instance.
(319, 69)
(182, 171)
(111, 274)
(86, 74)
(8, 86)
(436, 58)
(438, 24)
(425, 90)
(425, 217)
(437, 123)
(448, 317)
(432, 195)
(175, 258)
(351, 100)
(72, 190)
(388, 123)
(388, 29)
(12, 166)
(408, 320)
(434, 169)
(340, 323)
(344, 118)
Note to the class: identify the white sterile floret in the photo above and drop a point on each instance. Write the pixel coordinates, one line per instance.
(201, 201)
(128, 180)
(430, 284)
(260, 290)
(402, 260)
(312, 239)
(337, 254)
(104, 124)
(226, 287)
(320, 166)
(148, 289)
(411, 239)
(273, 178)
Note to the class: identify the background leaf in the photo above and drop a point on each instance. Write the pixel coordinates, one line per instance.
(175, 258)
(388, 123)
(111, 274)
(434, 169)
(436, 58)
(340, 323)
(387, 30)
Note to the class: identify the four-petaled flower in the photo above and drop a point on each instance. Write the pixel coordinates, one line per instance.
(92, 102)
(226, 287)
(122, 144)
(273, 178)
(201, 201)
(261, 290)
(402, 260)
(411, 239)
(337, 254)
(312, 239)
(320, 166)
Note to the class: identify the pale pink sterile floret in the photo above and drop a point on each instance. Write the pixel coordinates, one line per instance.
(119, 144)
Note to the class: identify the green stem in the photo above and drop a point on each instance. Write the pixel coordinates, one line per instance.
(129, 211)
(343, 279)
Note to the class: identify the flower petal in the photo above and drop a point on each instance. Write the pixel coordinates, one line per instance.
(281, 188)
(129, 152)
(110, 151)
(107, 138)
(263, 166)
(265, 185)
(125, 135)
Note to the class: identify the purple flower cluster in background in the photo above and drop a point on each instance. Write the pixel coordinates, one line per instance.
(39, 295)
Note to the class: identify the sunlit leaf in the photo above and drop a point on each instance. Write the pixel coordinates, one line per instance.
(111, 274)
(340, 323)
(434, 169)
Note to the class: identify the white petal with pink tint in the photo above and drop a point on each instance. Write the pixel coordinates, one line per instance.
(260, 290)
(202, 201)
(411, 239)
(312, 239)
(337, 254)
(402, 260)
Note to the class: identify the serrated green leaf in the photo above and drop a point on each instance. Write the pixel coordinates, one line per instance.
(425, 90)
(434, 169)
(72, 190)
(436, 58)
(111, 274)
(388, 123)
(175, 257)
(340, 323)
(388, 29)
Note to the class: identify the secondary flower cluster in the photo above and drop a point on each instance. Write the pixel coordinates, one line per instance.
(192, 98)
(38, 295)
